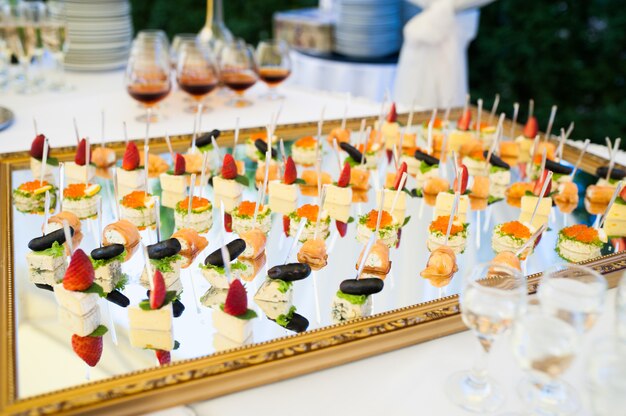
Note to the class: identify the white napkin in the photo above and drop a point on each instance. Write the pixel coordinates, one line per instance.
(432, 69)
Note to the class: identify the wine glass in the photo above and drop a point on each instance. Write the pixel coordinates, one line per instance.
(20, 35)
(492, 298)
(573, 293)
(196, 73)
(177, 43)
(154, 35)
(148, 76)
(274, 65)
(545, 347)
(606, 376)
(5, 52)
(54, 34)
(35, 13)
(238, 70)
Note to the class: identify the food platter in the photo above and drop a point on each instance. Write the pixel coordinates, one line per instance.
(128, 380)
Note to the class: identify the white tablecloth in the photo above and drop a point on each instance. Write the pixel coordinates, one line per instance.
(95, 92)
(360, 80)
(403, 382)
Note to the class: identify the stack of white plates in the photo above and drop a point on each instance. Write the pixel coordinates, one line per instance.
(99, 32)
(368, 28)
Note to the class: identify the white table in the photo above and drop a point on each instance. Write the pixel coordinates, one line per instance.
(95, 92)
(403, 382)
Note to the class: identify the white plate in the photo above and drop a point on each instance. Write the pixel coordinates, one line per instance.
(99, 67)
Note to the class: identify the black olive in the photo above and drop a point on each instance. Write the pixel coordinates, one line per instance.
(556, 167)
(118, 298)
(261, 146)
(46, 241)
(44, 286)
(206, 138)
(426, 158)
(235, 248)
(298, 323)
(617, 174)
(290, 272)
(367, 286)
(107, 252)
(495, 160)
(353, 152)
(165, 248)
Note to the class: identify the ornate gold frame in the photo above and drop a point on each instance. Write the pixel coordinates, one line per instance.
(241, 368)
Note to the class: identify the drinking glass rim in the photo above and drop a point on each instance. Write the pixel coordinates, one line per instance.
(470, 282)
(548, 275)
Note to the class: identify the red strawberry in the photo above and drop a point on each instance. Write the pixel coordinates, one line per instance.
(539, 184)
(389, 153)
(179, 164)
(401, 170)
(89, 348)
(164, 357)
(622, 193)
(291, 174)
(236, 300)
(79, 275)
(36, 148)
(342, 227)
(392, 117)
(465, 120)
(619, 244)
(229, 167)
(399, 237)
(228, 222)
(464, 178)
(157, 294)
(344, 176)
(286, 224)
(531, 128)
(131, 157)
(80, 157)
(537, 240)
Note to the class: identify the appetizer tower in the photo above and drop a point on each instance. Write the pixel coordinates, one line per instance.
(107, 265)
(191, 244)
(36, 159)
(303, 150)
(176, 180)
(151, 322)
(580, 242)
(138, 208)
(131, 176)
(615, 221)
(387, 232)
(228, 186)
(377, 263)
(82, 199)
(199, 218)
(80, 170)
(233, 319)
(339, 197)
(243, 217)
(164, 257)
(30, 197)
(445, 200)
(309, 213)
(214, 270)
(389, 195)
(457, 239)
(278, 287)
(512, 236)
(122, 232)
(353, 299)
(46, 261)
(283, 195)
(77, 296)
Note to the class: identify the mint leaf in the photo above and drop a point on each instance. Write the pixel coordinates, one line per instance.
(300, 181)
(56, 250)
(103, 262)
(145, 305)
(95, 288)
(250, 314)
(528, 193)
(164, 265)
(350, 220)
(283, 286)
(121, 284)
(283, 320)
(99, 331)
(243, 180)
(492, 199)
(406, 220)
(170, 296)
(418, 193)
(52, 161)
(176, 345)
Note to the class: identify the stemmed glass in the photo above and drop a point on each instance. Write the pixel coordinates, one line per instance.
(148, 76)
(177, 42)
(545, 347)
(274, 65)
(573, 293)
(22, 40)
(54, 34)
(238, 70)
(492, 298)
(196, 74)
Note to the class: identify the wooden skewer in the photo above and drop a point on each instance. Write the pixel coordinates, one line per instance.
(398, 191)
(478, 117)
(543, 191)
(61, 184)
(550, 122)
(87, 155)
(157, 217)
(366, 254)
(236, 135)
(76, 131)
(44, 161)
(190, 202)
(169, 147)
(494, 108)
(125, 133)
(68, 236)
(580, 157)
(617, 191)
(336, 149)
(46, 211)
(531, 240)
(35, 126)
(321, 200)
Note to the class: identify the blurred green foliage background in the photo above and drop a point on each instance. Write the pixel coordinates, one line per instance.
(566, 52)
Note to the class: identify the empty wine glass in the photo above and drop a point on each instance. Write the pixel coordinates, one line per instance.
(274, 65)
(35, 13)
(492, 298)
(573, 293)
(154, 34)
(148, 76)
(177, 43)
(196, 73)
(54, 34)
(238, 70)
(606, 376)
(21, 39)
(545, 347)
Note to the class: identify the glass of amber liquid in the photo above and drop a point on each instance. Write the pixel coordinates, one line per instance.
(238, 70)
(148, 77)
(274, 65)
(196, 73)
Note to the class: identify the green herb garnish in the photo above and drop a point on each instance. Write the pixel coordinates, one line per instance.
(353, 299)
(283, 320)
